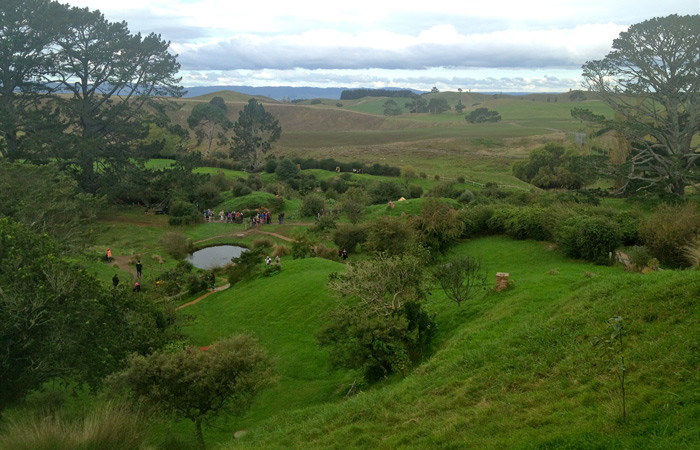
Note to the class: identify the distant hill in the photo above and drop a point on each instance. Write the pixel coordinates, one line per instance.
(276, 92)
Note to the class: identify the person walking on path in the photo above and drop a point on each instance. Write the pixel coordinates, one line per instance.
(115, 280)
(212, 279)
(109, 255)
(139, 268)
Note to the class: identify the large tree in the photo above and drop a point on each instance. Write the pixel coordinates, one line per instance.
(256, 130)
(28, 29)
(206, 119)
(651, 81)
(114, 79)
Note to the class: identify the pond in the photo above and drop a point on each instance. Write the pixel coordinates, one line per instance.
(217, 256)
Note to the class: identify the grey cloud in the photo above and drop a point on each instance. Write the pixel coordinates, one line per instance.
(245, 55)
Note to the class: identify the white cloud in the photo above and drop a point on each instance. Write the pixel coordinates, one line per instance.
(387, 41)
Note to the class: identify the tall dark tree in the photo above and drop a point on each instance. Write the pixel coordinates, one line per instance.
(650, 80)
(28, 28)
(114, 79)
(256, 130)
(208, 118)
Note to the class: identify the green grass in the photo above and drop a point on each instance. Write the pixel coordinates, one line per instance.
(518, 369)
(284, 312)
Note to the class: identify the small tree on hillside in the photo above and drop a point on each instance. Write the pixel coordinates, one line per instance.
(197, 384)
(483, 115)
(380, 325)
(438, 105)
(459, 277)
(391, 108)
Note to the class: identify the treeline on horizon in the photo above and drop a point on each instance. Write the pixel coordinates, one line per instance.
(356, 94)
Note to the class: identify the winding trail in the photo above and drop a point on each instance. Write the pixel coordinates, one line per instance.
(198, 299)
(256, 230)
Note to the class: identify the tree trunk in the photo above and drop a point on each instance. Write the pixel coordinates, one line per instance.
(200, 436)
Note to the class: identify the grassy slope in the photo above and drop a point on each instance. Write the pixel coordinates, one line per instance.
(284, 312)
(518, 369)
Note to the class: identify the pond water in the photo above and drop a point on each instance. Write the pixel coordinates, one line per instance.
(217, 256)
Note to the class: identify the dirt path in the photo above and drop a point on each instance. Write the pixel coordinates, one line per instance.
(197, 300)
(122, 262)
(249, 231)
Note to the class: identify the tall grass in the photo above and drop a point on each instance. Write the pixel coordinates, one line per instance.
(108, 426)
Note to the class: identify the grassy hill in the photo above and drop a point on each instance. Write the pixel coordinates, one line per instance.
(514, 369)
(443, 144)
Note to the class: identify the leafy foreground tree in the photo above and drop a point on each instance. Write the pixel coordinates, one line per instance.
(198, 384)
(651, 82)
(58, 322)
(256, 130)
(380, 325)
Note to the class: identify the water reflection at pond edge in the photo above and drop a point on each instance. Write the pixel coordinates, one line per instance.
(216, 256)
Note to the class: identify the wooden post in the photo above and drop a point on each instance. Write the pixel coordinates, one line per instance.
(502, 281)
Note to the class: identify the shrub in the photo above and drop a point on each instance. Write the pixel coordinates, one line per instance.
(388, 234)
(443, 189)
(326, 222)
(639, 257)
(408, 172)
(500, 217)
(669, 230)
(280, 250)
(415, 191)
(176, 244)
(589, 238)
(183, 213)
(385, 191)
(349, 236)
(465, 197)
(629, 222)
(476, 220)
(270, 165)
(301, 246)
(208, 194)
(275, 204)
(326, 253)
(240, 189)
(262, 243)
(312, 205)
(529, 223)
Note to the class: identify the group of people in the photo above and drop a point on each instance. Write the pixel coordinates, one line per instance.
(139, 274)
(268, 261)
(264, 217)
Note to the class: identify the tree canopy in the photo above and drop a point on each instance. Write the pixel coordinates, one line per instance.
(256, 130)
(483, 115)
(650, 80)
(196, 384)
(115, 81)
(208, 118)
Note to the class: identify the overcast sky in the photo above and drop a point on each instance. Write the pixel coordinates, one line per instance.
(478, 45)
